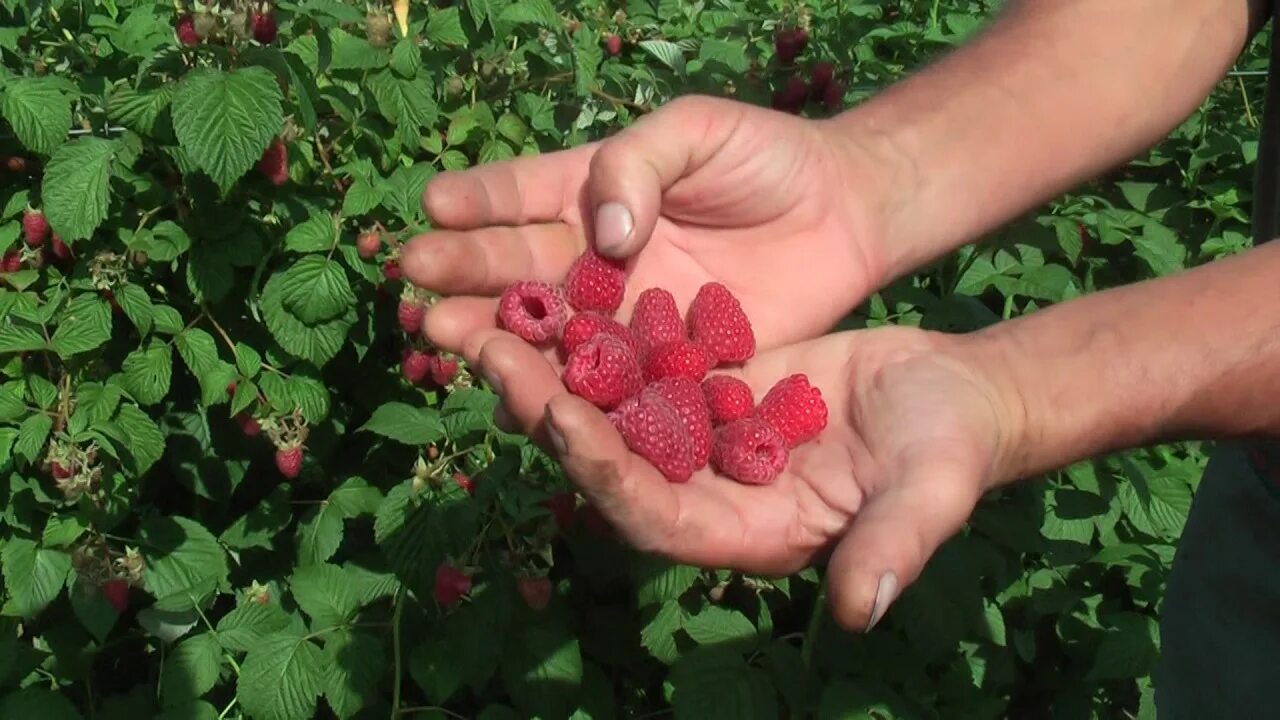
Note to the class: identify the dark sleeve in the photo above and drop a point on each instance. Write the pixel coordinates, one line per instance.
(1259, 13)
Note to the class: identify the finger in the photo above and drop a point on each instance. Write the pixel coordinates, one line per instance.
(450, 322)
(527, 189)
(631, 170)
(893, 537)
(522, 377)
(486, 261)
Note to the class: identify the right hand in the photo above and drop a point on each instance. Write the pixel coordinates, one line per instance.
(784, 211)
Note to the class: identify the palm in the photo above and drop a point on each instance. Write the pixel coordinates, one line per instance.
(905, 417)
(753, 211)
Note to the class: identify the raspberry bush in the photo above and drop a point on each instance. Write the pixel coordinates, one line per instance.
(236, 483)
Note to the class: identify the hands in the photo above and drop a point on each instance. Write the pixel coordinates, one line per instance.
(779, 209)
(916, 432)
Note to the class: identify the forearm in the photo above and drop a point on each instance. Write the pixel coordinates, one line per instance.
(1190, 356)
(1052, 93)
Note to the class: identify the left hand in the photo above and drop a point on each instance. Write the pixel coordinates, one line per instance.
(917, 431)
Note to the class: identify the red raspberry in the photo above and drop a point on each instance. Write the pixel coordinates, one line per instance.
(249, 425)
(685, 396)
(613, 45)
(12, 262)
(655, 319)
(409, 314)
(795, 409)
(718, 323)
(604, 371)
(820, 77)
(443, 367)
(274, 163)
(750, 451)
(465, 483)
(595, 283)
(186, 27)
(535, 591)
(788, 43)
(60, 471)
(117, 593)
(682, 358)
(391, 270)
(652, 428)
(790, 97)
(833, 96)
(451, 584)
(415, 366)
(231, 389)
(58, 249)
(368, 245)
(289, 461)
(534, 311)
(728, 398)
(35, 228)
(584, 326)
(562, 507)
(264, 28)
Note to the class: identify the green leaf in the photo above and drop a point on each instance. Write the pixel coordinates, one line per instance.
(148, 372)
(190, 670)
(182, 559)
(316, 289)
(732, 56)
(75, 188)
(136, 305)
(317, 234)
(1159, 248)
(320, 533)
(325, 594)
(708, 684)
(716, 625)
(165, 242)
(542, 669)
(658, 636)
(142, 438)
(62, 530)
(85, 325)
(38, 702)
(248, 625)
(33, 576)
(195, 710)
(658, 581)
(225, 120)
(407, 102)
(1128, 650)
(356, 662)
(405, 424)
(32, 434)
(444, 27)
(668, 53)
(281, 679)
(39, 111)
(316, 342)
(260, 526)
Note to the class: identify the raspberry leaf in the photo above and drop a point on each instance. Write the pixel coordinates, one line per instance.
(405, 424)
(281, 678)
(191, 670)
(225, 120)
(33, 576)
(39, 110)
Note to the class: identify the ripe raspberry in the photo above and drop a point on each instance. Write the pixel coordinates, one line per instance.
(685, 396)
(117, 593)
(604, 371)
(451, 584)
(465, 483)
(12, 262)
(728, 398)
(535, 311)
(249, 425)
(274, 163)
(391, 270)
(61, 471)
(535, 591)
(655, 319)
(833, 96)
(187, 30)
(790, 97)
(289, 461)
(682, 358)
(788, 43)
(562, 507)
(718, 323)
(750, 451)
(586, 325)
(653, 430)
(368, 245)
(58, 249)
(595, 282)
(795, 409)
(613, 45)
(415, 365)
(820, 77)
(264, 28)
(443, 368)
(409, 314)
(35, 228)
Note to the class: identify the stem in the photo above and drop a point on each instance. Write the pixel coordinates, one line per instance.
(227, 709)
(395, 644)
(815, 622)
(1248, 107)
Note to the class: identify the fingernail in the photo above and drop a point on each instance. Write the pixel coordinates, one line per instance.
(494, 381)
(553, 433)
(885, 594)
(614, 226)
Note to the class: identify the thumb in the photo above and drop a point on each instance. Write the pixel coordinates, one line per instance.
(631, 170)
(893, 537)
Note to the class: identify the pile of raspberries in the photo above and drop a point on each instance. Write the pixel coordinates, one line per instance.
(652, 376)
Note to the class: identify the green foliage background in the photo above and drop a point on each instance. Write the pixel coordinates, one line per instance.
(262, 598)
